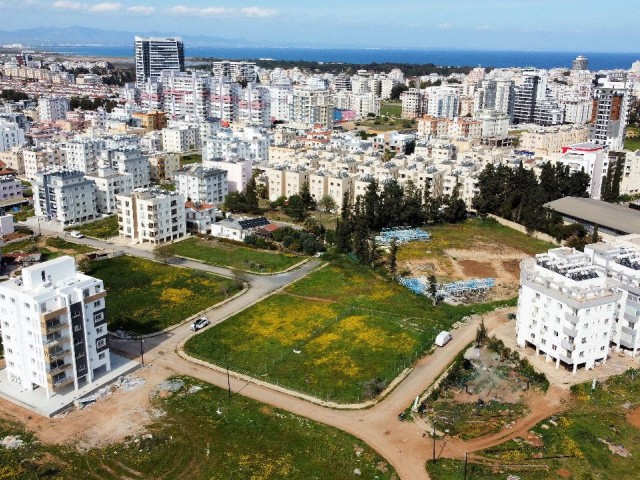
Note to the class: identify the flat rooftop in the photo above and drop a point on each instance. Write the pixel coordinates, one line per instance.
(596, 212)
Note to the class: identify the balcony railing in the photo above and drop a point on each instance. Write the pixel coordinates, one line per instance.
(48, 328)
(62, 382)
(52, 373)
(568, 346)
(54, 354)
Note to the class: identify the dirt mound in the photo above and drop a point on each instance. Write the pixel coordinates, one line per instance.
(633, 417)
(475, 269)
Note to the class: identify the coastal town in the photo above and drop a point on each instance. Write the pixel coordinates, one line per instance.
(248, 268)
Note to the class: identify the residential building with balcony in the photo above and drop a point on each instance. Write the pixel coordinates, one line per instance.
(202, 185)
(152, 216)
(54, 327)
(64, 195)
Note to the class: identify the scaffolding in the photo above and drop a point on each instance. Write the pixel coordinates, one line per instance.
(402, 235)
(420, 286)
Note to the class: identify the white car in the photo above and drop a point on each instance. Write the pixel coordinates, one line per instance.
(200, 323)
(76, 234)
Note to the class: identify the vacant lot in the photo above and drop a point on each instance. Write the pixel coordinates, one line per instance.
(478, 248)
(49, 247)
(104, 228)
(145, 296)
(235, 256)
(596, 437)
(201, 434)
(342, 333)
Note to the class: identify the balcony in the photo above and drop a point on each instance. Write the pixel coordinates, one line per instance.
(61, 383)
(570, 331)
(57, 341)
(571, 318)
(630, 317)
(56, 353)
(568, 346)
(52, 373)
(52, 327)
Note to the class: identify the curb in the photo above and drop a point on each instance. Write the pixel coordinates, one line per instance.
(292, 267)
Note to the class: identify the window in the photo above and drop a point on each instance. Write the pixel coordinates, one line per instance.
(101, 343)
(101, 356)
(96, 304)
(99, 329)
(98, 317)
(77, 328)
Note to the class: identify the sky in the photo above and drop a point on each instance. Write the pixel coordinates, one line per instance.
(559, 25)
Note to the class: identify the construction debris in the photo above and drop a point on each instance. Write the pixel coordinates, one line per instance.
(130, 382)
(11, 442)
(169, 386)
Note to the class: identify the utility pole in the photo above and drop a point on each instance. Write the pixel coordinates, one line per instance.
(228, 380)
(434, 438)
(465, 466)
(141, 350)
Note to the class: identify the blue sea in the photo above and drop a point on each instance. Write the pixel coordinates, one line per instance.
(485, 58)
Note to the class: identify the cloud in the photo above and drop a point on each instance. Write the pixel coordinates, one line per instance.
(141, 9)
(105, 7)
(67, 5)
(258, 12)
(444, 26)
(78, 6)
(253, 12)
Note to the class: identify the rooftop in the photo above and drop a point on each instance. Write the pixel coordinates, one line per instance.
(597, 212)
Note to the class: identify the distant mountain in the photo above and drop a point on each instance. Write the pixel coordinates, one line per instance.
(51, 36)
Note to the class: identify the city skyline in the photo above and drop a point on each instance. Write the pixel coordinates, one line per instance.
(494, 24)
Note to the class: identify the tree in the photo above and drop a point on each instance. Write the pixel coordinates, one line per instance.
(164, 252)
(306, 197)
(251, 197)
(481, 334)
(595, 238)
(342, 236)
(326, 203)
(397, 90)
(295, 208)
(393, 257)
(433, 288)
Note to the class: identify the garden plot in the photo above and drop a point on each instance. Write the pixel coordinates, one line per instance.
(474, 249)
(342, 333)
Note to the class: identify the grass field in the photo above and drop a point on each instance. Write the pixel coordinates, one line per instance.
(391, 109)
(60, 244)
(575, 439)
(189, 159)
(103, 228)
(145, 296)
(470, 234)
(235, 256)
(342, 333)
(25, 212)
(205, 436)
(632, 142)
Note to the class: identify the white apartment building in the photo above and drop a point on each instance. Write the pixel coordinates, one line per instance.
(54, 327)
(128, 160)
(53, 108)
(10, 188)
(156, 54)
(311, 107)
(152, 216)
(411, 103)
(609, 114)
(254, 107)
(39, 159)
(186, 94)
(13, 159)
(236, 71)
(11, 135)
(64, 195)
(494, 123)
(549, 140)
(181, 139)
(109, 184)
(238, 172)
(247, 144)
(441, 102)
(280, 99)
(567, 308)
(589, 157)
(202, 185)
(82, 153)
(162, 167)
(223, 103)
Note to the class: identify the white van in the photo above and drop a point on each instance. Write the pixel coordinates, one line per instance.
(443, 338)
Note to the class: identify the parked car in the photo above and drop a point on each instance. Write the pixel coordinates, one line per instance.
(76, 234)
(200, 323)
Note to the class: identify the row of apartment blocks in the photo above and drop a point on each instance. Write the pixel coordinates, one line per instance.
(573, 306)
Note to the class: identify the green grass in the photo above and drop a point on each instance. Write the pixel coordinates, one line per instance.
(246, 440)
(391, 109)
(145, 296)
(104, 228)
(355, 332)
(573, 442)
(28, 245)
(189, 159)
(632, 143)
(60, 244)
(169, 187)
(235, 256)
(25, 212)
(484, 232)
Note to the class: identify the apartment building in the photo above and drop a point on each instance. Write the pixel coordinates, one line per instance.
(236, 71)
(238, 172)
(82, 153)
(567, 308)
(51, 109)
(202, 185)
(64, 195)
(109, 184)
(10, 188)
(587, 157)
(11, 135)
(162, 167)
(186, 94)
(13, 159)
(549, 140)
(39, 159)
(151, 216)
(609, 114)
(54, 327)
(128, 160)
(311, 107)
(181, 139)
(156, 54)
